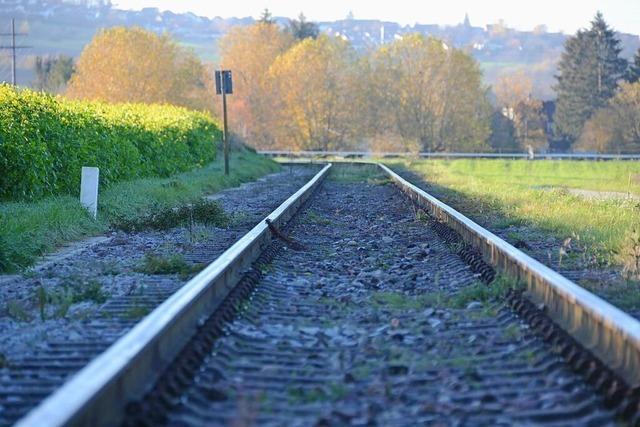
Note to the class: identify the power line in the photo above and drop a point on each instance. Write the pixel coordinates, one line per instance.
(13, 47)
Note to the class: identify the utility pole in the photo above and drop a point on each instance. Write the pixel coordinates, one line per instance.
(224, 86)
(13, 51)
(13, 47)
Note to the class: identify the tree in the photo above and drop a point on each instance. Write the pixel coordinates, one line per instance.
(249, 52)
(530, 124)
(511, 89)
(616, 128)
(135, 65)
(600, 133)
(502, 137)
(589, 71)
(315, 83)
(513, 93)
(633, 74)
(626, 105)
(429, 93)
(52, 73)
(266, 17)
(302, 29)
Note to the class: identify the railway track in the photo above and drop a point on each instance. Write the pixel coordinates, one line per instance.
(374, 311)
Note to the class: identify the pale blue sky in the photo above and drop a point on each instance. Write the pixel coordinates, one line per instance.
(558, 15)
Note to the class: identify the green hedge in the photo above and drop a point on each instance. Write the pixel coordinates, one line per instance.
(45, 141)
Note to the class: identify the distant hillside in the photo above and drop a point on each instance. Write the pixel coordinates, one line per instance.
(58, 26)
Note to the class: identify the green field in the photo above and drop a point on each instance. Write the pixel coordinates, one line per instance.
(595, 204)
(30, 229)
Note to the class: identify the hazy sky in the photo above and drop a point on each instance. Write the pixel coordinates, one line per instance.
(558, 15)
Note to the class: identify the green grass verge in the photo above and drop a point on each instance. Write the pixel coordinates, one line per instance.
(172, 264)
(620, 176)
(28, 230)
(477, 292)
(505, 193)
(355, 173)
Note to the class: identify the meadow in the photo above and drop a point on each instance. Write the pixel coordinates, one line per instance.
(596, 204)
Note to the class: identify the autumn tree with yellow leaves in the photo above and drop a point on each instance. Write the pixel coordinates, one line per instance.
(616, 127)
(135, 65)
(315, 83)
(429, 94)
(249, 52)
(320, 94)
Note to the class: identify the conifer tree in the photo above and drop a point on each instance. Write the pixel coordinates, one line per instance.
(634, 69)
(589, 71)
(266, 17)
(302, 29)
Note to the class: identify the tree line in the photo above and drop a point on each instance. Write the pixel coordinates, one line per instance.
(297, 89)
(598, 107)
(304, 91)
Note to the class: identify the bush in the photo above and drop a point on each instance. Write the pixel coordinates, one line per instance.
(45, 141)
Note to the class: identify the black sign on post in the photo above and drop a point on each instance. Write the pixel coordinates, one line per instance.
(224, 79)
(224, 87)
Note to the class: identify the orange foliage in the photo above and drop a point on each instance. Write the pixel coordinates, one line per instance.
(135, 65)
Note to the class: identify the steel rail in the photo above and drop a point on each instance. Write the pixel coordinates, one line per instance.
(98, 394)
(610, 334)
(537, 156)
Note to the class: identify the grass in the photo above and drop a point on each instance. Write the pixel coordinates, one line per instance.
(312, 217)
(479, 292)
(331, 391)
(398, 301)
(29, 230)
(358, 173)
(172, 264)
(482, 292)
(17, 311)
(56, 302)
(201, 211)
(137, 312)
(511, 193)
(621, 176)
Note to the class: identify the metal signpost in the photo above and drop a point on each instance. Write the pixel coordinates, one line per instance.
(224, 86)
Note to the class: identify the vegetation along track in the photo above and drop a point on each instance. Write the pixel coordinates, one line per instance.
(374, 314)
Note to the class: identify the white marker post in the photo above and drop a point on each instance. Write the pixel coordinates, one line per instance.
(89, 189)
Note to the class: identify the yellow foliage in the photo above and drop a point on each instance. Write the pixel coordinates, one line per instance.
(135, 65)
(598, 133)
(249, 52)
(626, 104)
(430, 93)
(318, 94)
(616, 128)
(314, 81)
(513, 88)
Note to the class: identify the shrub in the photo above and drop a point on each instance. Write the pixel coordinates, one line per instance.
(45, 141)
